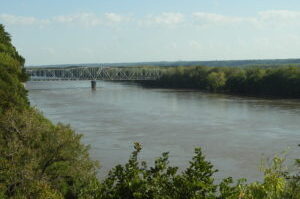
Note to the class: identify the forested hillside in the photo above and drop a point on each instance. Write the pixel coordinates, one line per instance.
(37, 158)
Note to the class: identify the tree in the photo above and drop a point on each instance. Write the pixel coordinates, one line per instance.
(216, 80)
(35, 153)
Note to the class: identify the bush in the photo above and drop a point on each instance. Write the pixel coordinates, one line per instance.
(35, 153)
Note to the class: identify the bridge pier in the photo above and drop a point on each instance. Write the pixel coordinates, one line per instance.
(93, 84)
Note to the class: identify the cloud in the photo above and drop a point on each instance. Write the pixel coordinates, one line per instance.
(21, 20)
(279, 17)
(169, 18)
(268, 18)
(263, 19)
(90, 19)
(85, 19)
(82, 19)
(115, 18)
(166, 18)
(203, 18)
(279, 14)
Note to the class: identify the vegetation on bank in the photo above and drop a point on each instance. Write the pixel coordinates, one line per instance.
(39, 159)
(280, 81)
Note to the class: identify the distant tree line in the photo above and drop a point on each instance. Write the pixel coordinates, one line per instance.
(42, 160)
(281, 81)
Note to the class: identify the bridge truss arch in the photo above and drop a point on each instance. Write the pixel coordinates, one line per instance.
(93, 73)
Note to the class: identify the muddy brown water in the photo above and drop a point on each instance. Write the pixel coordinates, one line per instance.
(235, 133)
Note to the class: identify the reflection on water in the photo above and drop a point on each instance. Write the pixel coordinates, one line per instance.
(234, 132)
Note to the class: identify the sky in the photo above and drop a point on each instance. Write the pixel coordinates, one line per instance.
(112, 31)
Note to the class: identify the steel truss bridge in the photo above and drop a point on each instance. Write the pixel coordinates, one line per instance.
(93, 73)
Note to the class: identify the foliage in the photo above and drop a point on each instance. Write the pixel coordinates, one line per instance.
(36, 154)
(136, 180)
(281, 81)
(276, 184)
(216, 80)
(12, 92)
(37, 158)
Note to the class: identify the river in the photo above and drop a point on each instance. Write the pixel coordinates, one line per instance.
(235, 133)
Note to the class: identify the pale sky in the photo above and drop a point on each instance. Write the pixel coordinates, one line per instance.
(100, 31)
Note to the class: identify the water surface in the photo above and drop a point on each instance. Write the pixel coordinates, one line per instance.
(234, 132)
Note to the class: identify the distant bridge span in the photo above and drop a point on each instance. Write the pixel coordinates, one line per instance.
(93, 73)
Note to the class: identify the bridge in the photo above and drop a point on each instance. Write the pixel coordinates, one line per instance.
(93, 73)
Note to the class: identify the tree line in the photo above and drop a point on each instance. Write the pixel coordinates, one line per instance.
(39, 159)
(280, 81)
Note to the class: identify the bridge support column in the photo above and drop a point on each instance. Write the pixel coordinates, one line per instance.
(93, 84)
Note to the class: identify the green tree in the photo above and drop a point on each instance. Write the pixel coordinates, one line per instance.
(135, 180)
(216, 80)
(36, 153)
